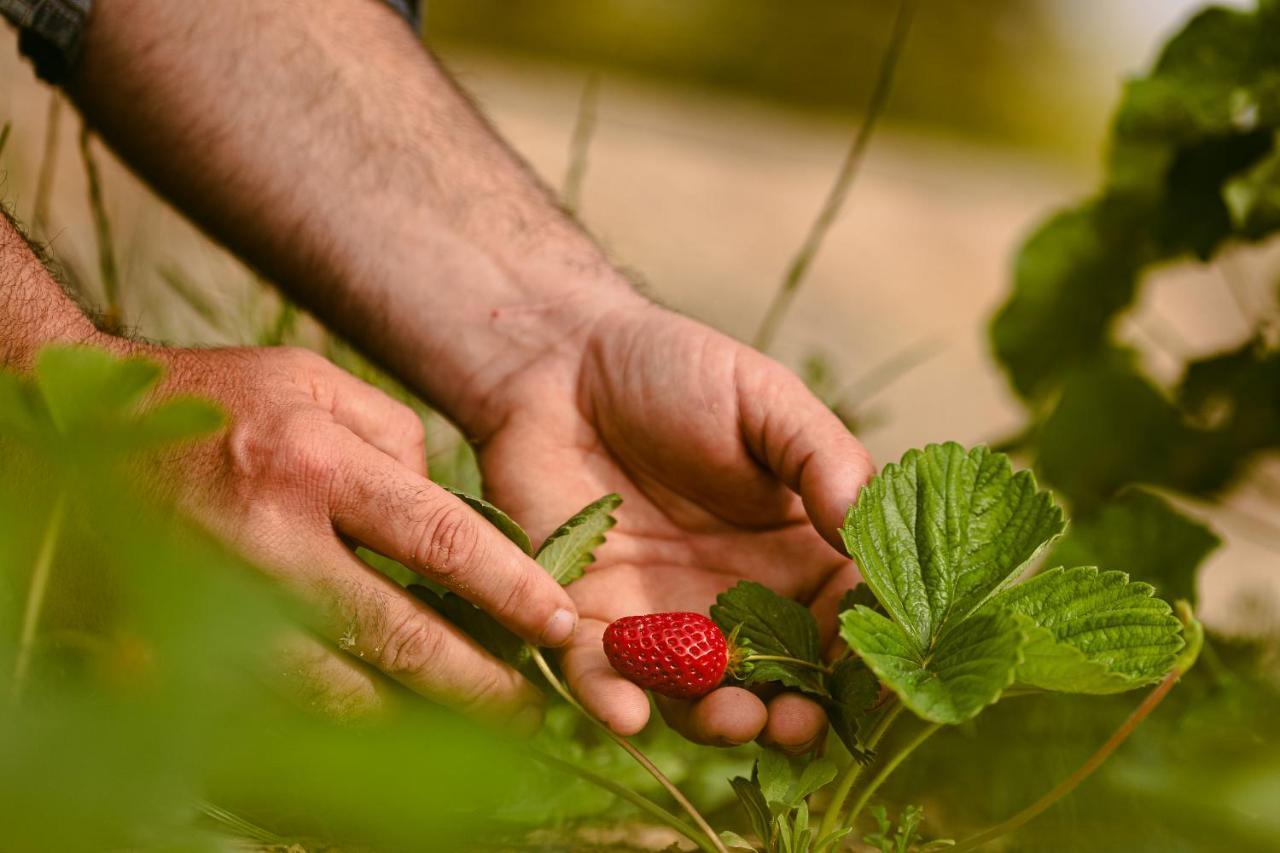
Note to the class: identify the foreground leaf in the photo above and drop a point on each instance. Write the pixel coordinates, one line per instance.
(938, 533)
(1091, 631)
(769, 624)
(967, 669)
(570, 548)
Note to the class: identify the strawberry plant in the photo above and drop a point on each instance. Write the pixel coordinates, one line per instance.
(946, 624)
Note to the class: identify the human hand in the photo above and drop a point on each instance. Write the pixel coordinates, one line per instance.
(312, 464)
(730, 470)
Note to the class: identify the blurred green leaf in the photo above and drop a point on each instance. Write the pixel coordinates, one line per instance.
(82, 385)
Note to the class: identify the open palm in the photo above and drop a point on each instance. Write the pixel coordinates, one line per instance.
(729, 469)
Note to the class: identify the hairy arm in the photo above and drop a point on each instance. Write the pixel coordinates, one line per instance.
(323, 144)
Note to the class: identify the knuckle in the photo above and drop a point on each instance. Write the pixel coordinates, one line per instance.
(411, 646)
(446, 542)
(519, 595)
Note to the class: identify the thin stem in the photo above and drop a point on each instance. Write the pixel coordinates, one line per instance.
(36, 595)
(107, 266)
(1066, 786)
(580, 144)
(48, 167)
(4, 134)
(844, 179)
(850, 778)
(641, 802)
(887, 770)
(784, 659)
(640, 757)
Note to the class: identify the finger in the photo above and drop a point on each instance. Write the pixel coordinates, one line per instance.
(796, 724)
(387, 424)
(728, 716)
(802, 442)
(410, 519)
(319, 678)
(374, 619)
(610, 698)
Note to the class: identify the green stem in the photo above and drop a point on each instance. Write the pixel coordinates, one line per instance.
(640, 757)
(107, 267)
(850, 777)
(784, 659)
(887, 770)
(844, 179)
(580, 145)
(1066, 786)
(36, 594)
(641, 802)
(48, 166)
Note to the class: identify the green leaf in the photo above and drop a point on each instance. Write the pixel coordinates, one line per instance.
(970, 666)
(499, 519)
(753, 801)
(1093, 632)
(785, 784)
(769, 624)
(22, 411)
(734, 841)
(855, 691)
(83, 386)
(175, 419)
(1253, 197)
(570, 548)
(1140, 533)
(939, 533)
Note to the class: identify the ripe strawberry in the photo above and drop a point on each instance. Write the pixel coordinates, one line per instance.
(681, 655)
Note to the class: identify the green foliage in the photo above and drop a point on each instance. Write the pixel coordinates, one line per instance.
(1191, 166)
(940, 538)
(906, 837)
(1091, 632)
(570, 548)
(499, 519)
(764, 623)
(855, 692)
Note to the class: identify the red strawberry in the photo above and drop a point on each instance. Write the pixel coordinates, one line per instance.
(681, 655)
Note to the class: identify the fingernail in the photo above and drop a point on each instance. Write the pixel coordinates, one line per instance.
(559, 628)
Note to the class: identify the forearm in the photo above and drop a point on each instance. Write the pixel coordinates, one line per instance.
(324, 145)
(34, 310)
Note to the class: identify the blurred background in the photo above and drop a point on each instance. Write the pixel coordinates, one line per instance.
(712, 131)
(717, 126)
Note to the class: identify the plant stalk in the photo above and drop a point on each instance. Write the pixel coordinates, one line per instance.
(844, 179)
(850, 777)
(48, 167)
(887, 770)
(784, 659)
(640, 757)
(1066, 786)
(638, 800)
(107, 267)
(580, 145)
(36, 595)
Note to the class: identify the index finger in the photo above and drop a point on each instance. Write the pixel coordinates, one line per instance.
(390, 509)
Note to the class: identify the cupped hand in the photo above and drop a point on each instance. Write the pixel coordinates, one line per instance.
(314, 462)
(729, 468)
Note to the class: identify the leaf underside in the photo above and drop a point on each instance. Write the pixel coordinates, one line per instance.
(499, 519)
(570, 548)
